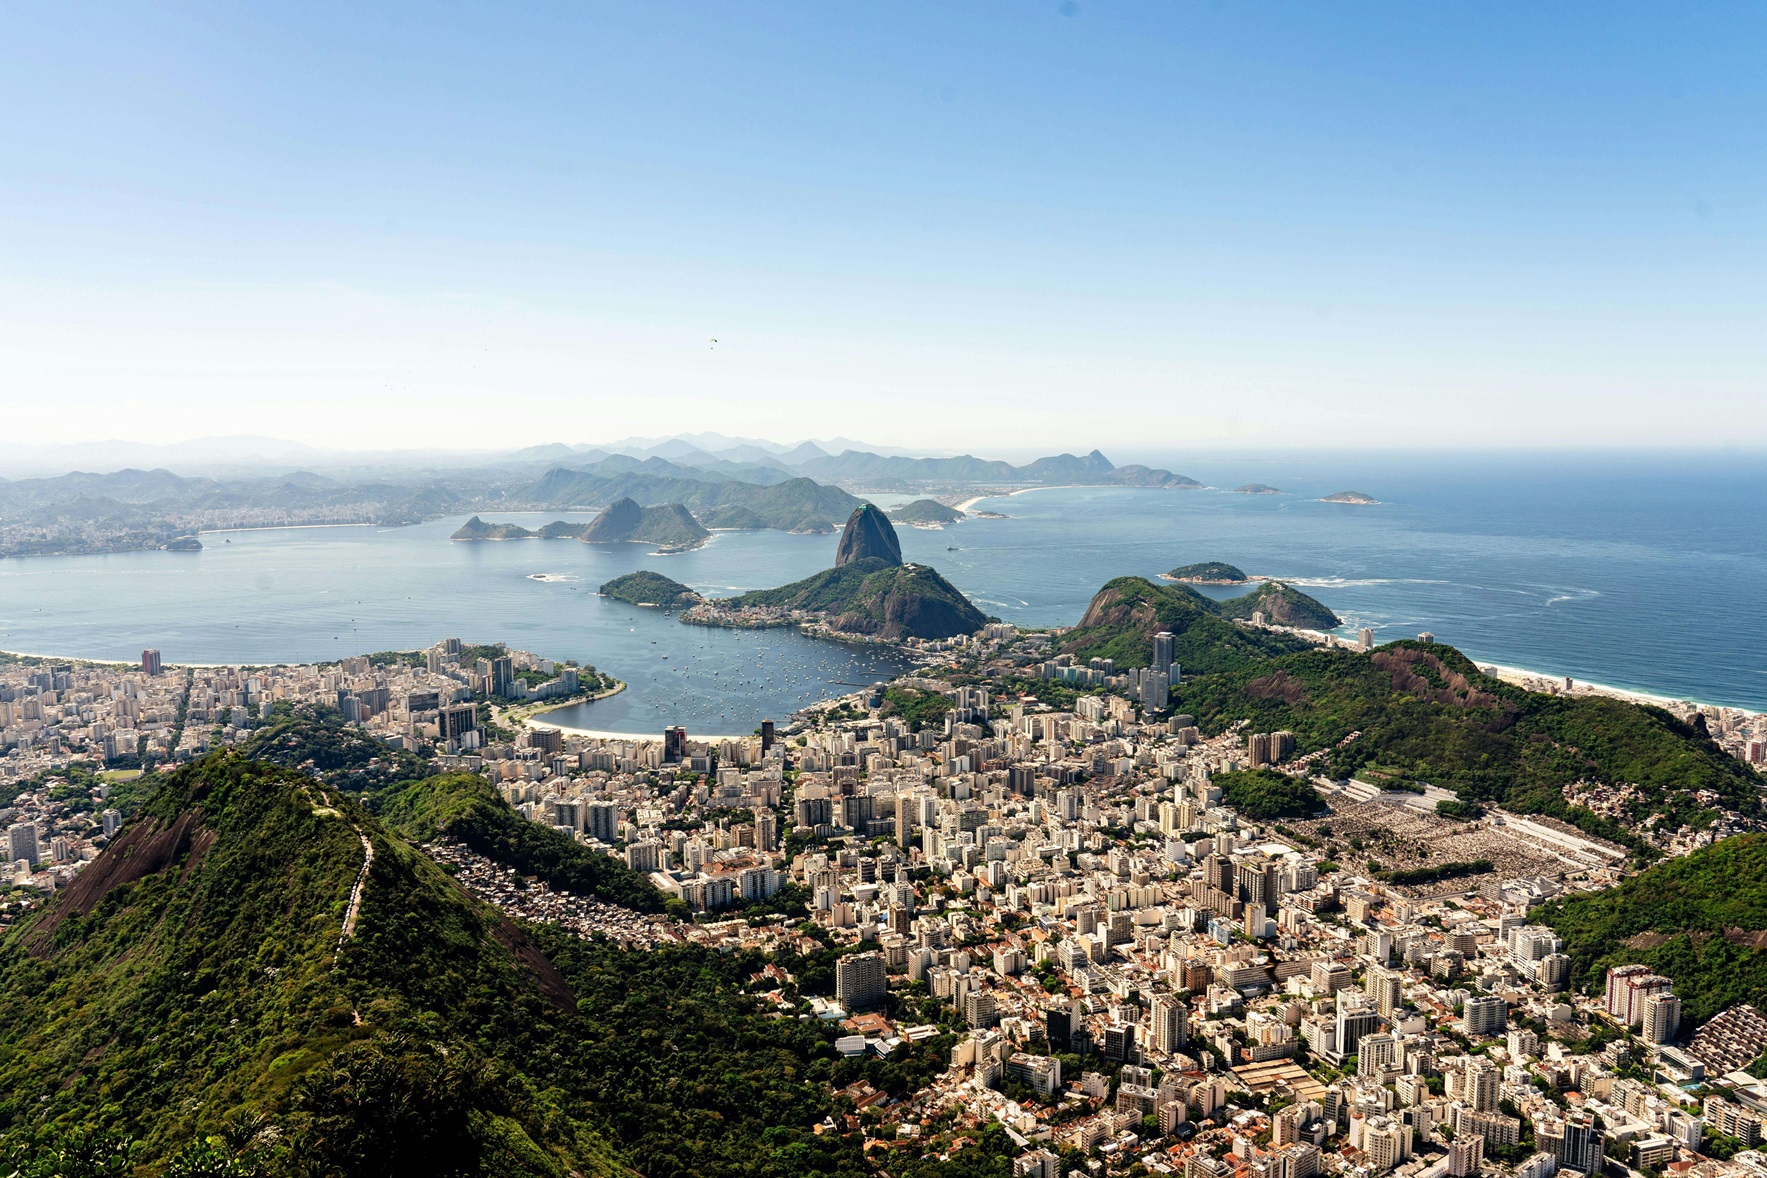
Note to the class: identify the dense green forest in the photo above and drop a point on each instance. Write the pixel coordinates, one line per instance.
(647, 588)
(1264, 795)
(1700, 919)
(1425, 714)
(192, 981)
(1124, 616)
(918, 709)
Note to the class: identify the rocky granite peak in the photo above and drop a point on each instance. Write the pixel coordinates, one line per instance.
(868, 533)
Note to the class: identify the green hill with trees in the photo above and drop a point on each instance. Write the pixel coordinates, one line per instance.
(647, 588)
(191, 1006)
(1264, 795)
(1281, 605)
(198, 979)
(1700, 919)
(1124, 616)
(465, 806)
(1426, 714)
(873, 596)
(1208, 572)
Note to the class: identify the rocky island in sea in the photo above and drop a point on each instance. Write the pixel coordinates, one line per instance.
(670, 526)
(650, 589)
(1257, 489)
(1208, 572)
(869, 593)
(1356, 497)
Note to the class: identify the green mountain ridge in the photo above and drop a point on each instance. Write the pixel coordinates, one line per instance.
(197, 980)
(1427, 714)
(465, 806)
(1127, 612)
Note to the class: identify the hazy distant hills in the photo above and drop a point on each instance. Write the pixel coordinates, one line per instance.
(739, 484)
(791, 505)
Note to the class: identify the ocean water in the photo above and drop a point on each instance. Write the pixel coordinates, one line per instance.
(307, 594)
(1642, 572)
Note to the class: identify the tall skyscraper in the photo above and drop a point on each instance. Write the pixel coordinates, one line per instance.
(1484, 1015)
(1169, 1031)
(674, 745)
(455, 720)
(1365, 639)
(1165, 652)
(1662, 1017)
(21, 843)
(906, 809)
(502, 675)
(150, 662)
(1156, 692)
(859, 980)
(603, 822)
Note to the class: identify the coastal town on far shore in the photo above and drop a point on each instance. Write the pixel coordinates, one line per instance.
(1039, 888)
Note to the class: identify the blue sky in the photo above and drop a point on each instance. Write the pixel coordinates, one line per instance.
(962, 226)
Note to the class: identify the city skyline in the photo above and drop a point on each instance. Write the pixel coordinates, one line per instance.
(1386, 228)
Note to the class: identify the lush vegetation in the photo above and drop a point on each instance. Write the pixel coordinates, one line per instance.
(872, 596)
(647, 588)
(669, 524)
(1426, 714)
(1209, 572)
(1700, 919)
(187, 1008)
(192, 982)
(1124, 616)
(1264, 795)
(924, 511)
(466, 806)
(1281, 605)
(918, 709)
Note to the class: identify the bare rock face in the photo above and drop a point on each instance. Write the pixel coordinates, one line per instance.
(868, 534)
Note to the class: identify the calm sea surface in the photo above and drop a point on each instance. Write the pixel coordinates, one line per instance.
(1643, 573)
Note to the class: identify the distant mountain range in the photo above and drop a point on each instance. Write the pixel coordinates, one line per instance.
(743, 485)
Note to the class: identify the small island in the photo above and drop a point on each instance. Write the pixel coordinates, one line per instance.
(1257, 489)
(1356, 497)
(924, 513)
(477, 529)
(649, 589)
(1208, 572)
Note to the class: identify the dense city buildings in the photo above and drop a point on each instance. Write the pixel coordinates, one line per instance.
(1043, 873)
